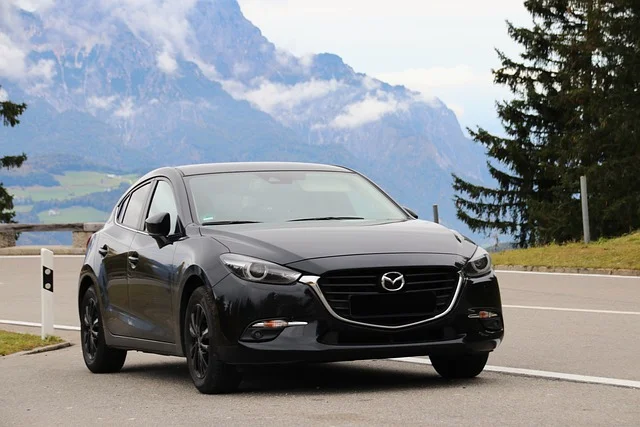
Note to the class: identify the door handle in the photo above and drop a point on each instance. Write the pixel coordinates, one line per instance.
(103, 250)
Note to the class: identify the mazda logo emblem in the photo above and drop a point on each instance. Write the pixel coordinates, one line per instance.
(392, 281)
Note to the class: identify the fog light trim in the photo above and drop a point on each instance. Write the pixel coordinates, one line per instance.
(276, 324)
(483, 314)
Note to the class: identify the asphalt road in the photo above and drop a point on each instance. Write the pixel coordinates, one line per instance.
(601, 339)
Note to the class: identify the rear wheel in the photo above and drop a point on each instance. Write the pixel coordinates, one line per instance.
(98, 357)
(209, 375)
(459, 365)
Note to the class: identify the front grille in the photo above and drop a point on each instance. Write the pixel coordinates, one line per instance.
(358, 295)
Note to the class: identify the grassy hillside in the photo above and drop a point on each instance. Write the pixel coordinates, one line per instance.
(622, 252)
(73, 214)
(72, 184)
(70, 196)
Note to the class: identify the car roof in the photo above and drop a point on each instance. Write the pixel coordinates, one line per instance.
(206, 168)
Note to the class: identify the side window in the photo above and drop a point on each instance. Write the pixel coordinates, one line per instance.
(164, 201)
(121, 208)
(135, 206)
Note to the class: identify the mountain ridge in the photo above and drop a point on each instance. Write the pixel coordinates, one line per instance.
(208, 86)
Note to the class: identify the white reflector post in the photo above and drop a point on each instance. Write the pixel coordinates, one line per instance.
(46, 291)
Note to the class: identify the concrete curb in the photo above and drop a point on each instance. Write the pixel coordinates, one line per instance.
(39, 350)
(571, 270)
(35, 250)
(51, 347)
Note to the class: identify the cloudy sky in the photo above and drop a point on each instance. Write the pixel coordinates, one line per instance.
(439, 47)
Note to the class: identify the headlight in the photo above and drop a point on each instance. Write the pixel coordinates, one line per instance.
(257, 270)
(479, 264)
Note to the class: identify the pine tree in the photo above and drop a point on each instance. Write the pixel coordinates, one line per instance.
(574, 112)
(613, 162)
(9, 112)
(526, 159)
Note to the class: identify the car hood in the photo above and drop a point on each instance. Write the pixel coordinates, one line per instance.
(292, 242)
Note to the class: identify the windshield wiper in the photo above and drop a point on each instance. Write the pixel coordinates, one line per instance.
(326, 218)
(229, 222)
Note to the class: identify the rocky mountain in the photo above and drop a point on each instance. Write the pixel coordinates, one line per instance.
(134, 85)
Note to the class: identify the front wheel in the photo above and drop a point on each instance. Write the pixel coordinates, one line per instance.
(98, 357)
(459, 365)
(209, 375)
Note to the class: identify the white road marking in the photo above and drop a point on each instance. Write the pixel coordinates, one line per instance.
(580, 310)
(541, 374)
(38, 256)
(21, 323)
(598, 276)
(422, 361)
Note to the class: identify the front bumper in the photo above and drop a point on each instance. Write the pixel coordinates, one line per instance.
(326, 338)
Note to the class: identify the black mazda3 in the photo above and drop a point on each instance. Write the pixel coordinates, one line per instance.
(233, 264)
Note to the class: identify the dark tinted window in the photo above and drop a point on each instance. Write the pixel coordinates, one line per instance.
(278, 196)
(136, 205)
(121, 208)
(163, 201)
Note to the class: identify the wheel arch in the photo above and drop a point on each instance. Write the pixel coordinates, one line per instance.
(194, 279)
(86, 280)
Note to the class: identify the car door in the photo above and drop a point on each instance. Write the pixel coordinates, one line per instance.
(113, 247)
(151, 272)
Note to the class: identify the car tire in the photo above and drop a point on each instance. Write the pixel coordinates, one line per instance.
(459, 365)
(98, 357)
(209, 375)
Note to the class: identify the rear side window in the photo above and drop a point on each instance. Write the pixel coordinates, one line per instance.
(135, 207)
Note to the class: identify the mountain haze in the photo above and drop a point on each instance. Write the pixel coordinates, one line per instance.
(132, 85)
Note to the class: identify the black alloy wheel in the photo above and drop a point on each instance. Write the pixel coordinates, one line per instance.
(90, 329)
(199, 338)
(209, 375)
(98, 357)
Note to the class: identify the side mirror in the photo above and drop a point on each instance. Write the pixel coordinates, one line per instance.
(159, 225)
(410, 212)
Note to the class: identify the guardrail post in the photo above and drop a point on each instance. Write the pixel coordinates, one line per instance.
(46, 291)
(584, 198)
(436, 217)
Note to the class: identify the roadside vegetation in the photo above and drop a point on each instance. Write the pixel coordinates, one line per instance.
(13, 342)
(617, 253)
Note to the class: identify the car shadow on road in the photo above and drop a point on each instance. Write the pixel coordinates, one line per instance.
(342, 377)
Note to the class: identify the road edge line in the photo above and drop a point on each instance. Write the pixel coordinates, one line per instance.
(37, 325)
(533, 373)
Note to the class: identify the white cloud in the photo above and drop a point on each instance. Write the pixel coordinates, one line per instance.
(167, 63)
(14, 65)
(208, 70)
(4, 96)
(101, 102)
(467, 91)
(12, 58)
(370, 109)
(126, 110)
(161, 22)
(241, 68)
(32, 5)
(270, 97)
(370, 83)
(425, 80)
(43, 70)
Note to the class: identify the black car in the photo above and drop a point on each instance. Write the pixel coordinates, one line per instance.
(257, 263)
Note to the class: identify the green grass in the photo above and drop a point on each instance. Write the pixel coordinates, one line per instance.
(74, 214)
(618, 253)
(13, 342)
(72, 184)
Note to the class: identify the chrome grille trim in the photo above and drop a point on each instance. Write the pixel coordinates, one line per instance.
(312, 282)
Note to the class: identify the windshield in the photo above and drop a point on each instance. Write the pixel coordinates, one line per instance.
(281, 196)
